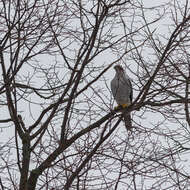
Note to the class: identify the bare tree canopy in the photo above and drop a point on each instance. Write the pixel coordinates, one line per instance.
(58, 126)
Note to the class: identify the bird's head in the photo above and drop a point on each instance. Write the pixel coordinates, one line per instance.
(119, 69)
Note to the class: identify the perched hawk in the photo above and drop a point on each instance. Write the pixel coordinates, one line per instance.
(121, 88)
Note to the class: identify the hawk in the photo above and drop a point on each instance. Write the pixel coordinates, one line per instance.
(122, 91)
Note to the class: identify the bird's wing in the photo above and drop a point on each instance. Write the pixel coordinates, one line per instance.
(131, 87)
(114, 86)
(128, 84)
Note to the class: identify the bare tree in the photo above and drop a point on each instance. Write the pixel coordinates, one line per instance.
(56, 64)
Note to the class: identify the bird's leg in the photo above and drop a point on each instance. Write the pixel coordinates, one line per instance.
(121, 106)
(117, 107)
(125, 105)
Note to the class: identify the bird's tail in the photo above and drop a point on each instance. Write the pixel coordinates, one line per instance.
(127, 119)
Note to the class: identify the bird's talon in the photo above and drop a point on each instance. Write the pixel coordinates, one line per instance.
(124, 105)
(121, 106)
(116, 107)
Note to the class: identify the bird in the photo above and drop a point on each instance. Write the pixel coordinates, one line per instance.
(121, 88)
